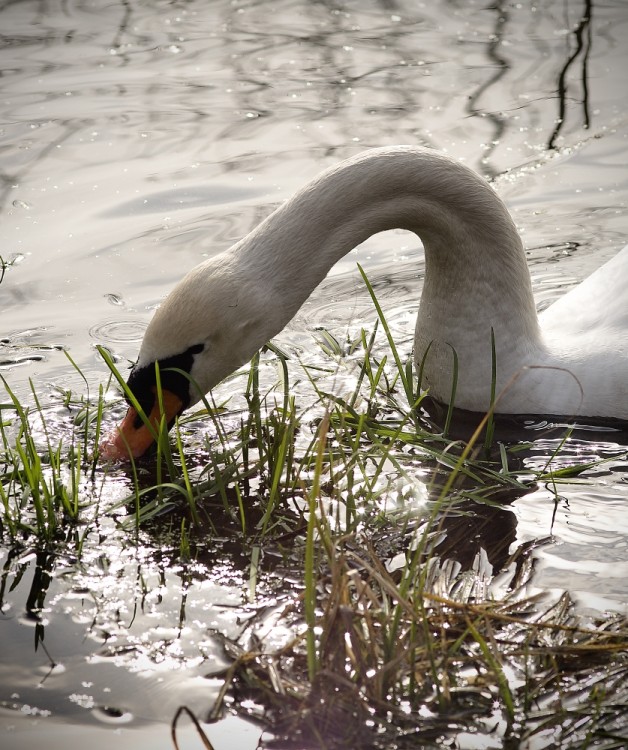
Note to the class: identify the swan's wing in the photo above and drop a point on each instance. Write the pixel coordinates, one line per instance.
(586, 334)
(599, 302)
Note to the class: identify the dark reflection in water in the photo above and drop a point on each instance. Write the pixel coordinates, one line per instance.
(583, 43)
(340, 64)
(521, 427)
(501, 65)
(138, 138)
(477, 528)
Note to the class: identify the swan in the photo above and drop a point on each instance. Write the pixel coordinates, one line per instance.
(571, 360)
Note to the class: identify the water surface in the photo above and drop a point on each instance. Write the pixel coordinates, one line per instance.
(139, 138)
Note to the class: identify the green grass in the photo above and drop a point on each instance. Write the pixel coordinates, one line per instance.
(379, 658)
(399, 665)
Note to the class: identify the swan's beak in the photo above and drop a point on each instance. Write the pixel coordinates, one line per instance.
(133, 438)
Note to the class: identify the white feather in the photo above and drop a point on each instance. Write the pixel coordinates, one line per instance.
(573, 360)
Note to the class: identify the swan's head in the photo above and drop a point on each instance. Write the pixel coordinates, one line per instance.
(174, 394)
(206, 328)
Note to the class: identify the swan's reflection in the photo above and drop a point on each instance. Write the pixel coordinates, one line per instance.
(471, 526)
(474, 528)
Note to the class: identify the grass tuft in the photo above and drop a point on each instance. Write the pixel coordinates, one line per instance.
(397, 639)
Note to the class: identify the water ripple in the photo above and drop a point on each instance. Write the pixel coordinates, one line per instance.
(118, 331)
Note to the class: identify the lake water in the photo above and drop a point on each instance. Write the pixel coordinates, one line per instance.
(138, 138)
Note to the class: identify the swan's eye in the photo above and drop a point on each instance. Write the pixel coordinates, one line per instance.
(172, 374)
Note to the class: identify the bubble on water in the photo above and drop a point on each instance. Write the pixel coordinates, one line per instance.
(115, 299)
(21, 204)
(112, 715)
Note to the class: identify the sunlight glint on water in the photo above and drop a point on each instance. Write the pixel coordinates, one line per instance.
(140, 138)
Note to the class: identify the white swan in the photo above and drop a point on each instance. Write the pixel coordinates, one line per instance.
(572, 360)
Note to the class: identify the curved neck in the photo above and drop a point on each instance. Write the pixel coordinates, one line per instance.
(473, 250)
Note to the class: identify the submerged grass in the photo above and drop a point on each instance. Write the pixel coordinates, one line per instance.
(412, 669)
(396, 641)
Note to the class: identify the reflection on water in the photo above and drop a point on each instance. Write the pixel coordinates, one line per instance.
(579, 58)
(183, 126)
(139, 138)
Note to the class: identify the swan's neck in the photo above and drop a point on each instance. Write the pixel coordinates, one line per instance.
(476, 275)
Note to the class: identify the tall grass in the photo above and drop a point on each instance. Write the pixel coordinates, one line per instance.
(514, 669)
(379, 656)
(43, 483)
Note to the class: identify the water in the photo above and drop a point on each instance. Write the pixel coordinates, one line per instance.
(139, 138)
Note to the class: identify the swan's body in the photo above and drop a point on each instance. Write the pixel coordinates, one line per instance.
(572, 360)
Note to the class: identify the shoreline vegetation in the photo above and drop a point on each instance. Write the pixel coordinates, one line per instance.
(401, 628)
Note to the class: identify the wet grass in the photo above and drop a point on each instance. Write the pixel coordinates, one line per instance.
(402, 633)
(411, 659)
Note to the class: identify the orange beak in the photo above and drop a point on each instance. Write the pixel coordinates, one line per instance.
(127, 440)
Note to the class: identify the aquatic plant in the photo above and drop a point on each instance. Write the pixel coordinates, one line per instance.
(395, 639)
